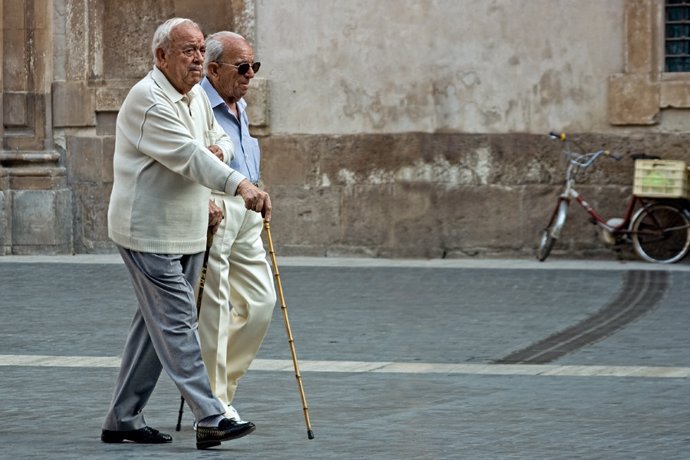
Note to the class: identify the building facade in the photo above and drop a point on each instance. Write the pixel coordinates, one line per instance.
(389, 128)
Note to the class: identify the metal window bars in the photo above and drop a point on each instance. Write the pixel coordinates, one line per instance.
(677, 36)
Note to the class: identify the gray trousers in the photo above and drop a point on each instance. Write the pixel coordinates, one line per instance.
(163, 335)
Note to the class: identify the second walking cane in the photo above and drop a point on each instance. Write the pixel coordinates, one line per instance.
(291, 340)
(202, 281)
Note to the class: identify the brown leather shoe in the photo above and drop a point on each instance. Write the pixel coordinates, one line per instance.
(146, 435)
(226, 430)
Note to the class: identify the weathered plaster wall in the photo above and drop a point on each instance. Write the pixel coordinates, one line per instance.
(474, 66)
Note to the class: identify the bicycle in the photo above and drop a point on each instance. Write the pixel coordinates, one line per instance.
(659, 229)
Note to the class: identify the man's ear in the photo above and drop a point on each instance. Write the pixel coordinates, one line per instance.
(212, 69)
(160, 55)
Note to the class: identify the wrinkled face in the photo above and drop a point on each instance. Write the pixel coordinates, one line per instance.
(225, 75)
(182, 63)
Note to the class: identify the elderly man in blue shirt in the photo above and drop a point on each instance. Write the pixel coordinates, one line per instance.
(239, 294)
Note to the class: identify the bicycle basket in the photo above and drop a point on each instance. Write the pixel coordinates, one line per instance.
(661, 179)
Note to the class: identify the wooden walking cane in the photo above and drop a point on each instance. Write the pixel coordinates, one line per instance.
(291, 340)
(202, 281)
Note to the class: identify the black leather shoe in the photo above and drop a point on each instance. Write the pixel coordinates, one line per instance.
(227, 429)
(146, 435)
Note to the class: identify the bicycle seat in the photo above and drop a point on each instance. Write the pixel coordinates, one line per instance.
(644, 156)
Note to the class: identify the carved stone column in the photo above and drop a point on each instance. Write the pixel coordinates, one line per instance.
(35, 202)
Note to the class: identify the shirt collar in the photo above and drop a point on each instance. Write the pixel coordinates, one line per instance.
(213, 96)
(167, 87)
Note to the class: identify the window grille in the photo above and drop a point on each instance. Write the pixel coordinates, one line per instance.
(677, 56)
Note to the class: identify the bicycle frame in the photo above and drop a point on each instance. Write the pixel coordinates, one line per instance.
(580, 162)
(622, 229)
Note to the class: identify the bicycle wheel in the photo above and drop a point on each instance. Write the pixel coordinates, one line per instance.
(552, 231)
(661, 234)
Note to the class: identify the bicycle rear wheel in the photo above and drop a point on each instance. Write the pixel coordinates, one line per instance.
(661, 234)
(552, 231)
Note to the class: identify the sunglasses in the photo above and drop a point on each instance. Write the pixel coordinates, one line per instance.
(244, 67)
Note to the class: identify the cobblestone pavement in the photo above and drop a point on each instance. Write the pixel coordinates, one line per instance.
(397, 357)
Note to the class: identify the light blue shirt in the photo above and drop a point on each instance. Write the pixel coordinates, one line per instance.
(247, 154)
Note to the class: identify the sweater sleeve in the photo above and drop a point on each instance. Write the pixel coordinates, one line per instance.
(162, 136)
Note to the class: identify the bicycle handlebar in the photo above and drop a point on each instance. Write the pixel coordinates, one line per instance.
(556, 136)
(583, 160)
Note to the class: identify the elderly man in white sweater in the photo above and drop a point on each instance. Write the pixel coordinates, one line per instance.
(168, 152)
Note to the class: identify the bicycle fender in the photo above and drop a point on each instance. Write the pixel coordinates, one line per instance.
(560, 220)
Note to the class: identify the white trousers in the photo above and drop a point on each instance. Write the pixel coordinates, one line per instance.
(238, 298)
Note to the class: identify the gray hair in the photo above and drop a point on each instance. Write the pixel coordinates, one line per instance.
(161, 38)
(215, 46)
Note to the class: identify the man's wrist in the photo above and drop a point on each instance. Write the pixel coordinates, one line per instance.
(240, 186)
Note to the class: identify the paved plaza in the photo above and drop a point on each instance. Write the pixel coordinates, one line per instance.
(445, 359)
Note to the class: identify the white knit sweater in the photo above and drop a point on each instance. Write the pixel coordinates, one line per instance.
(163, 170)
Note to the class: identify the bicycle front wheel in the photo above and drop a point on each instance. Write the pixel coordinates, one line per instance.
(661, 234)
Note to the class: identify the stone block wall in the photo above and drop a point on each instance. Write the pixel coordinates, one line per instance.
(441, 195)
(35, 202)
(5, 214)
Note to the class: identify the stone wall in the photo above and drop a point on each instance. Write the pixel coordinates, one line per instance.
(35, 201)
(441, 195)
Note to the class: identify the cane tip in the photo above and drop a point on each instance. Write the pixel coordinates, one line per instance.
(310, 434)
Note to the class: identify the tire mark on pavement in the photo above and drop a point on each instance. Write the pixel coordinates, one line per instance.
(640, 293)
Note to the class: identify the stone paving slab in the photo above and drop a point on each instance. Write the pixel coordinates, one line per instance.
(414, 318)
